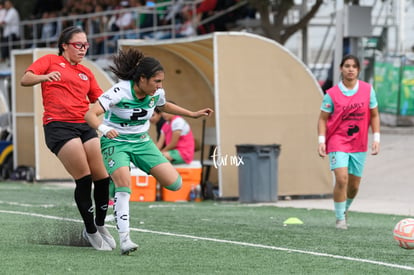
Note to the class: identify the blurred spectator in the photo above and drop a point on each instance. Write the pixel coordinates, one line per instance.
(97, 26)
(68, 7)
(42, 6)
(186, 28)
(50, 30)
(2, 11)
(205, 9)
(119, 22)
(11, 32)
(146, 20)
(125, 20)
(2, 15)
(108, 4)
(172, 12)
(136, 17)
(183, 29)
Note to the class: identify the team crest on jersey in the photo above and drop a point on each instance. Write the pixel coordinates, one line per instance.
(63, 65)
(151, 103)
(111, 163)
(83, 76)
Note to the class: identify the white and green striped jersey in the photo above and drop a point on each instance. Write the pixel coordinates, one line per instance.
(125, 112)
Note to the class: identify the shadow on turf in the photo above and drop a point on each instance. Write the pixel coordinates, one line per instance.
(58, 233)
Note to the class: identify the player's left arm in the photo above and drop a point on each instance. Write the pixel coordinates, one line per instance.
(375, 126)
(172, 108)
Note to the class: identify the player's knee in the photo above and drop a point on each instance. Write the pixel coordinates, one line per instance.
(176, 185)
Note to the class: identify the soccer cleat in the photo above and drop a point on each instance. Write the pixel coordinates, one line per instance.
(341, 224)
(126, 244)
(106, 236)
(96, 240)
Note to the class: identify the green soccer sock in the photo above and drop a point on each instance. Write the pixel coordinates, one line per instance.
(176, 185)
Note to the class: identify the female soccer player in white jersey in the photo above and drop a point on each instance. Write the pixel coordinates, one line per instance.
(128, 107)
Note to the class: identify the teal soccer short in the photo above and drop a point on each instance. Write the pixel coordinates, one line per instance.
(354, 161)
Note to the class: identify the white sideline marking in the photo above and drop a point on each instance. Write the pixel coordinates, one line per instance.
(170, 206)
(27, 205)
(226, 241)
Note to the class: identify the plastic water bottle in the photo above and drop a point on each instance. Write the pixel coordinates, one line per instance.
(158, 192)
(198, 193)
(193, 193)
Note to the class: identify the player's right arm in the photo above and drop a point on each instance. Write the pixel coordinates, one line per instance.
(323, 119)
(92, 117)
(31, 79)
(326, 110)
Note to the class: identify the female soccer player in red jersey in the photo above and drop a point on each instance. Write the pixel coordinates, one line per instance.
(67, 90)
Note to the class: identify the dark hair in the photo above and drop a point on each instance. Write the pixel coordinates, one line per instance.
(131, 64)
(66, 36)
(353, 57)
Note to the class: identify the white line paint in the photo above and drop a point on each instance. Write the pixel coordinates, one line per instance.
(27, 205)
(405, 267)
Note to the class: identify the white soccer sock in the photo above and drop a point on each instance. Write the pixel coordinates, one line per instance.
(124, 236)
(121, 211)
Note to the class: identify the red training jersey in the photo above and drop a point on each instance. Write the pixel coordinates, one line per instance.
(347, 126)
(66, 100)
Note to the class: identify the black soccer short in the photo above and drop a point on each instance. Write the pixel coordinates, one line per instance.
(57, 133)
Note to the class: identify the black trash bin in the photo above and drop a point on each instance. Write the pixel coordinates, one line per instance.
(258, 172)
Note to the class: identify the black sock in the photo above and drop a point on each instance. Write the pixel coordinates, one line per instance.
(84, 202)
(101, 197)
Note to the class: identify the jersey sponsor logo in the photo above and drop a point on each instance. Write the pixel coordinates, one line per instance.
(151, 103)
(353, 129)
(137, 113)
(63, 65)
(83, 76)
(107, 97)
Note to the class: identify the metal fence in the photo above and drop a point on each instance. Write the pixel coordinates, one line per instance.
(31, 35)
(103, 41)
